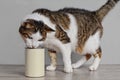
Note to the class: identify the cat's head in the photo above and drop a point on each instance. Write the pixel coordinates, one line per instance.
(34, 32)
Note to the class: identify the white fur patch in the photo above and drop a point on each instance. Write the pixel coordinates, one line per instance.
(72, 32)
(35, 39)
(28, 43)
(40, 17)
(36, 36)
(92, 44)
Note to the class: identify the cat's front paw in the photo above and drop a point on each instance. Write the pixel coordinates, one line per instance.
(93, 68)
(51, 68)
(68, 70)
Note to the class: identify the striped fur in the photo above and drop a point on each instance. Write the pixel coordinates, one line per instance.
(103, 11)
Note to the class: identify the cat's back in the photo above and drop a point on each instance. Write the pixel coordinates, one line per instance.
(74, 10)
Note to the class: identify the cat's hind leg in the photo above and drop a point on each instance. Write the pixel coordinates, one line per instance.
(53, 63)
(97, 60)
(81, 61)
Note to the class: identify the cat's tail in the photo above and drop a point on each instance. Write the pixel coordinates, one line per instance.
(102, 12)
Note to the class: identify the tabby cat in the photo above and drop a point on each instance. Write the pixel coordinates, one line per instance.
(67, 30)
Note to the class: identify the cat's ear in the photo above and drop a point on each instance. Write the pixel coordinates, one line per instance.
(29, 23)
(36, 24)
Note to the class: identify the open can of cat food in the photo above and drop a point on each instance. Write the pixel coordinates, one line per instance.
(34, 63)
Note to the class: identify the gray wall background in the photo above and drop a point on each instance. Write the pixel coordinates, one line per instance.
(12, 12)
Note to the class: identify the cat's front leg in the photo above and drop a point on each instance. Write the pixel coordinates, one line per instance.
(53, 61)
(66, 53)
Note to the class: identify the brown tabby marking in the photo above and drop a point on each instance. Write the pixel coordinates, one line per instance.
(88, 56)
(98, 53)
(86, 29)
(27, 29)
(57, 18)
(79, 49)
(61, 35)
(53, 57)
(100, 13)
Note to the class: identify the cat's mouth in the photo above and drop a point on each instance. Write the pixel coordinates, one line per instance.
(34, 48)
(28, 47)
(37, 46)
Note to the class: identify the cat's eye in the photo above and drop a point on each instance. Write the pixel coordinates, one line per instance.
(41, 39)
(30, 37)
